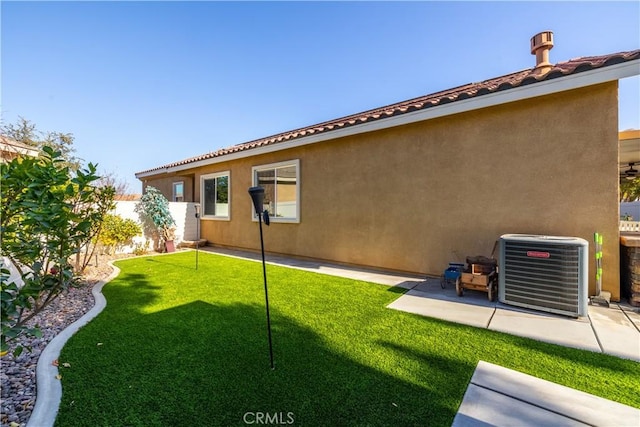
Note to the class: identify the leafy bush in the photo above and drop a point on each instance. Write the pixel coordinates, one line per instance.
(46, 216)
(117, 231)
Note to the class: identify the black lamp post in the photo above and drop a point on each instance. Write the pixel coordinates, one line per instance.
(257, 196)
(197, 208)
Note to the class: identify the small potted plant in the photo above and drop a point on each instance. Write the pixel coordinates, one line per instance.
(154, 210)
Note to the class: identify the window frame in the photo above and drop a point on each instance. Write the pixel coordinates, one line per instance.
(279, 165)
(215, 175)
(173, 191)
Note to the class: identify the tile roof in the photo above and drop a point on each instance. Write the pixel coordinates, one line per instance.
(471, 90)
(6, 141)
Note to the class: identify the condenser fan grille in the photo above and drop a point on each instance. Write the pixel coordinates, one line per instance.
(544, 273)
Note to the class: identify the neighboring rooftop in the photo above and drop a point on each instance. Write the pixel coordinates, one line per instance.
(127, 197)
(10, 148)
(472, 90)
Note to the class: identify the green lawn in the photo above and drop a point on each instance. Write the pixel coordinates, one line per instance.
(180, 347)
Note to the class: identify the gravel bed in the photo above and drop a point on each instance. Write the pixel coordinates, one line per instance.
(18, 374)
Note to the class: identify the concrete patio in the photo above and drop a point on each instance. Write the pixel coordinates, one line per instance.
(613, 330)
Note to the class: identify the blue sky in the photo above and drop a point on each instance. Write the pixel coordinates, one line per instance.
(141, 84)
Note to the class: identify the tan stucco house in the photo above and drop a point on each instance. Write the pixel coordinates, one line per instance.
(417, 184)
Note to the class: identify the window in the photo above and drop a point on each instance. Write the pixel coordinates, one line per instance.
(178, 191)
(281, 183)
(215, 195)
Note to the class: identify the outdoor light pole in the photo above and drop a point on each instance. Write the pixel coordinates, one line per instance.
(257, 196)
(197, 208)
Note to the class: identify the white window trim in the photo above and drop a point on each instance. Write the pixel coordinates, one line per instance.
(211, 176)
(173, 190)
(296, 163)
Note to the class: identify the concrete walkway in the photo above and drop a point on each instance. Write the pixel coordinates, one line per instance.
(369, 275)
(614, 330)
(497, 396)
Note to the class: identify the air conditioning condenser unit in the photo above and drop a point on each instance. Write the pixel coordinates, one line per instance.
(548, 273)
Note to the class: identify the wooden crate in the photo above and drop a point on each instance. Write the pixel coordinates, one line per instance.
(476, 279)
(479, 282)
(481, 269)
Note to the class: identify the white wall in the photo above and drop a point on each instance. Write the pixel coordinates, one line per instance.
(14, 275)
(182, 212)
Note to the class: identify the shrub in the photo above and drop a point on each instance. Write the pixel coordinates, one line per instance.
(117, 231)
(141, 248)
(153, 209)
(46, 216)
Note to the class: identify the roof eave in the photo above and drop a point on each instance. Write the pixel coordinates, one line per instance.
(545, 87)
(18, 149)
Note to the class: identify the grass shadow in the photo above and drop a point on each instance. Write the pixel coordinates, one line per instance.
(208, 364)
(139, 292)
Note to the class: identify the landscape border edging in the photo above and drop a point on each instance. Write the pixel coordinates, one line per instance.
(48, 387)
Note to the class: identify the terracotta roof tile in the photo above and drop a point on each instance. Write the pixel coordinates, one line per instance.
(17, 144)
(471, 90)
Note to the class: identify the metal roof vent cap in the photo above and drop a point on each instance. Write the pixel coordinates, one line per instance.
(541, 44)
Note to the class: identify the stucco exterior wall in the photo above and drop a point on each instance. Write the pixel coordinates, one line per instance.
(415, 197)
(164, 184)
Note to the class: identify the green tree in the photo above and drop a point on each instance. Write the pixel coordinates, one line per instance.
(26, 132)
(630, 190)
(46, 216)
(153, 209)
